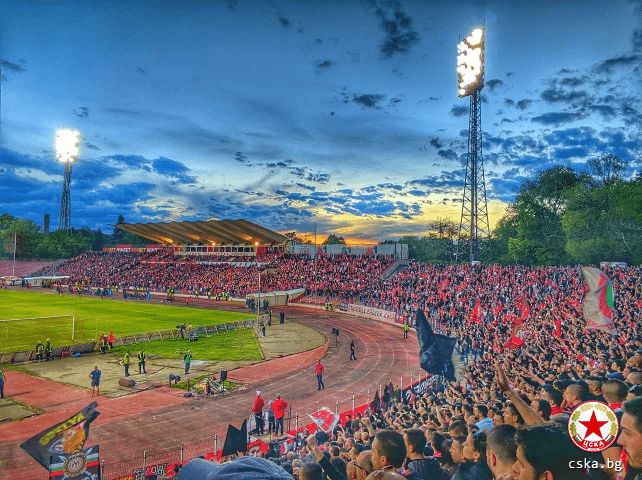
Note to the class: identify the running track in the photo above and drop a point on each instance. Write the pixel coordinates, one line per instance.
(159, 419)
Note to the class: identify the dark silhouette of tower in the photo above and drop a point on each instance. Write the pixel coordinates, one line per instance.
(474, 227)
(66, 152)
(474, 224)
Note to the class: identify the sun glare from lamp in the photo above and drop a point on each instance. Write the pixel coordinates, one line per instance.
(67, 145)
(470, 63)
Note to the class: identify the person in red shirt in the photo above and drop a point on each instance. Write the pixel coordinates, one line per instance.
(319, 370)
(257, 410)
(112, 338)
(278, 407)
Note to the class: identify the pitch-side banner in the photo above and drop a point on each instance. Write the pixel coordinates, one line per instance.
(84, 465)
(66, 438)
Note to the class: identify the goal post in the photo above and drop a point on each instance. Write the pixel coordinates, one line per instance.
(18, 334)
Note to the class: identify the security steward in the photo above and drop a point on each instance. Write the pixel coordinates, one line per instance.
(141, 362)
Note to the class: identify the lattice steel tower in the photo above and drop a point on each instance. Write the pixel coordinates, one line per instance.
(474, 226)
(66, 152)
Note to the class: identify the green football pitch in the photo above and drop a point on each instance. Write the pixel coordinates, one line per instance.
(37, 318)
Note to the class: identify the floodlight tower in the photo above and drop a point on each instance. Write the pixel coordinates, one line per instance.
(67, 153)
(474, 210)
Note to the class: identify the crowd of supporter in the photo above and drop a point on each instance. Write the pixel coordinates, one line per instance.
(342, 276)
(527, 319)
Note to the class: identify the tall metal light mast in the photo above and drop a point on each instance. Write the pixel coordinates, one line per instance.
(67, 153)
(474, 226)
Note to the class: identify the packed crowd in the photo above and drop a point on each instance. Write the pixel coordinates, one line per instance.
(493, 425)
(504, 432)
(342, 276)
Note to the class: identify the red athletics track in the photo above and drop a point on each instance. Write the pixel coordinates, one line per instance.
(159, 419)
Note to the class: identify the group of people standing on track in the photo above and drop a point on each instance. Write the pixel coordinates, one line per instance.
(275, 414)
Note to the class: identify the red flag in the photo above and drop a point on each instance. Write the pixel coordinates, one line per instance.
(514, 342)
(476, 316)
(325, 419)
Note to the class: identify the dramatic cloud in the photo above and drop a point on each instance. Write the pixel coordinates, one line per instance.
(493, 84)
(556, 118)
(608, 66)
(397, 26)
(523, 104)
(172, 168)
(459, 110)
(323, 65)
(369, 101)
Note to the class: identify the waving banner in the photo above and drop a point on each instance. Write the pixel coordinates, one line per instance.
(598, 302)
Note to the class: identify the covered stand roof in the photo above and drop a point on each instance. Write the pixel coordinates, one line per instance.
(219, 232)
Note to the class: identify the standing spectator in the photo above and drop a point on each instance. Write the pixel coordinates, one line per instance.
(141, 361)
(270, 415)
(279, 407)
(417, 464)
(187, 358)
(546, 451)
(48, 350)
(501, 450)
(112, 338)
(631, 437)
(481, 415)
(257, 410)
(352, 355)
(126, 363)
(2, 380)
(95, 380)
(388, 450)
(319, 371)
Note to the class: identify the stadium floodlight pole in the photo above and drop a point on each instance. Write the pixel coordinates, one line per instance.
(66, 152)
(474, 224)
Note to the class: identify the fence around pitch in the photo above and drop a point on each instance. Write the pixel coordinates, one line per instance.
(159, 461)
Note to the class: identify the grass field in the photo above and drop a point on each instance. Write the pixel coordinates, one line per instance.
(234, 345)
(93, 317)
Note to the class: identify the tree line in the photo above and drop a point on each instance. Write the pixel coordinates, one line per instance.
(30, 243)
(561, 217)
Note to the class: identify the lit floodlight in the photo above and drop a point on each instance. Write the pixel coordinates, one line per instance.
(470, 63)
(67, 145)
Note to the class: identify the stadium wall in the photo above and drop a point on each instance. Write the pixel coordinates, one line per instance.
(398, 250)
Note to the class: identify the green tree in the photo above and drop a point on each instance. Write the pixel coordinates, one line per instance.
(604, 222)
(443, 228)
(608, 168)
(334, 240)
(539, 207)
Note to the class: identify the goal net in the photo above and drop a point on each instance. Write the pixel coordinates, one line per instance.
(18, 334)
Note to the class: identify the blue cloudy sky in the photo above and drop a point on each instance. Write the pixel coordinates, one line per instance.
(342, 114)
